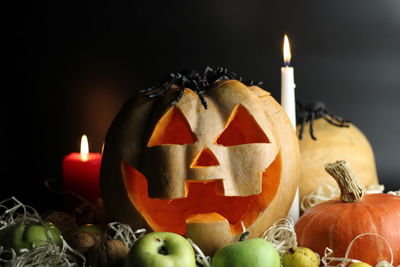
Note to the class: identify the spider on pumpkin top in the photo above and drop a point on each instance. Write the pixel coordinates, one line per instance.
(314, 111)
(195, 81)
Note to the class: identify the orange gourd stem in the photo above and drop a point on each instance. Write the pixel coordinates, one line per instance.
(351, 190)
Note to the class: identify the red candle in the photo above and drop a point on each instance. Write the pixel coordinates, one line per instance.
(81, 172)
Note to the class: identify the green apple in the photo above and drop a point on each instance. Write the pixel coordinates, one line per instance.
(254, 252)
(300, 257)
(161, 249)
(28, 236)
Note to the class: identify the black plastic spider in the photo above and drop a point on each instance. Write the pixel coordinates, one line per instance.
(314, 111)
(195, 81)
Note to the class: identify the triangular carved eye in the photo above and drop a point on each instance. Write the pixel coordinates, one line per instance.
(172, 129)
(241, 129)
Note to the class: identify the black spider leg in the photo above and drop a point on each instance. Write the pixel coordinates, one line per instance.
(203, 83)
(337, 118)
(299, 108)
(312, 114)
(221, 70)
(165, 86)
(253, 83)
(148, 90)
(300, 118)
(158, 86)
(302, 125)
(200, 94)
(207, 75)
(221, 74)
(182, 86)
(225, 74)
(214, 75)
(229, 75)
(234, 76)
(340, 120)
(203, 79)
(207, 70)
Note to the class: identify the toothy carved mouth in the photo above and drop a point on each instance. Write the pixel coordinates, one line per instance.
(202, 198)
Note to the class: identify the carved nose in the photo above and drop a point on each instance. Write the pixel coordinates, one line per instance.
(205, 158)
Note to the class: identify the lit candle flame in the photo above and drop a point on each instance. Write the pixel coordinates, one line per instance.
(286, 51)
(84, 148)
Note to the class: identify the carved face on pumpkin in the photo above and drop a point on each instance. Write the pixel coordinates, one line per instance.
(197, 171)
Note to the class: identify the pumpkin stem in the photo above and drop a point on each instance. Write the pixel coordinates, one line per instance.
(350, 188)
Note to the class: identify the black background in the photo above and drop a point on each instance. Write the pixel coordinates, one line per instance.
(71, 66)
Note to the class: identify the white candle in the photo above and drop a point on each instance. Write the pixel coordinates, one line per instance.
(287, 84)
(288, 103)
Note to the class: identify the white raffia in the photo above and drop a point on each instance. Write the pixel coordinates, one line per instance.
(124, 233)
(396, 193)
(343, 261)
(243, 227)
(48, 254)
(327, 259)
(375, 189)
(12, 211)
(328, 192)
(281, 235)
(384, 264)
(200, 256)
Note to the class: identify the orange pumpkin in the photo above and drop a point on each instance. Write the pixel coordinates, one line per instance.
(336, 223)
(201, 172)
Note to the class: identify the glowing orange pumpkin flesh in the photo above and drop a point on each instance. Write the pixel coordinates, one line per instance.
(203, 197)
(173, 128)
(204, 159)
(241, 128)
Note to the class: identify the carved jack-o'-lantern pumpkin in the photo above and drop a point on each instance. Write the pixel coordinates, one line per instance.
(201, 172)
